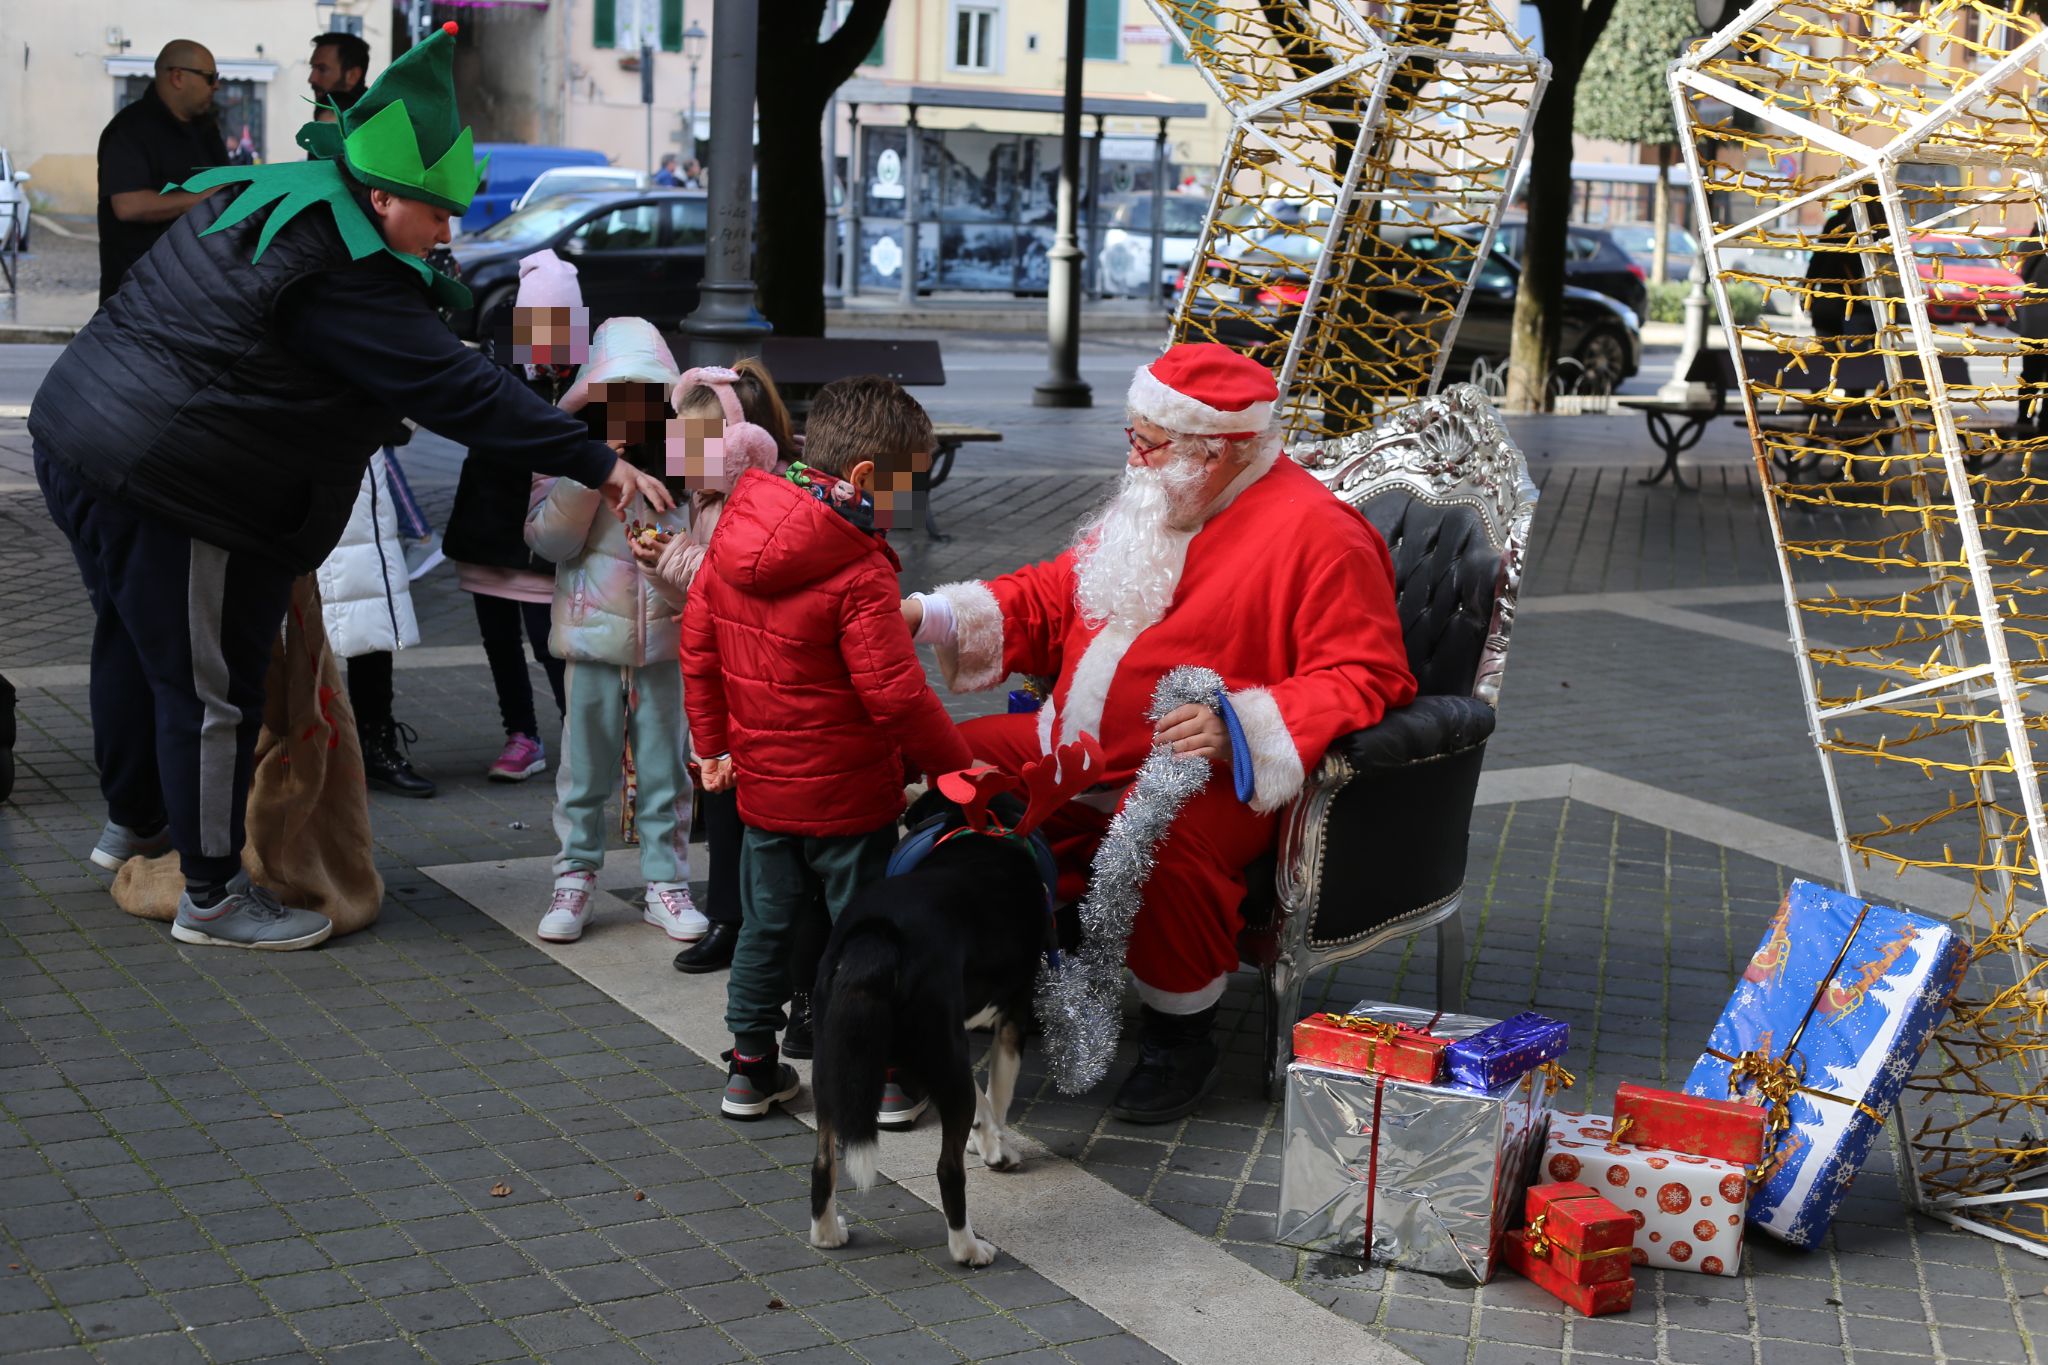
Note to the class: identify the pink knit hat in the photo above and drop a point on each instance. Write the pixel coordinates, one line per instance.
(547, 281)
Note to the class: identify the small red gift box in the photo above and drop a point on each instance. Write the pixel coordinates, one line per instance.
(1584, 1235)
(1726, 1130)
(1352, 1042)
(1608, 1296)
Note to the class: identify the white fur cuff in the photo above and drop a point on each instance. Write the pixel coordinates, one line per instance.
(1276, 763)
(974, 659)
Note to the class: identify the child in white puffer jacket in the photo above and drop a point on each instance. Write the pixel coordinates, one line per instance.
(616, 631)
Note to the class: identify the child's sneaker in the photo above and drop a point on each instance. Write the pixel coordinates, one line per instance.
(522, 757)
(903, 1101)
(753, 1087)
(669, 907)
(569, 911)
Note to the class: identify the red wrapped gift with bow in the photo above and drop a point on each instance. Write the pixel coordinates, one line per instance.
(1727, 1130)
(1354, 1042)
(1584, 1236)
(1608, 1296)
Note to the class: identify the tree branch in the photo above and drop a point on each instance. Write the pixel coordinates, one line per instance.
(840, 55)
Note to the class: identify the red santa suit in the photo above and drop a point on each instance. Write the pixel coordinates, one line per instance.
(1288, 594)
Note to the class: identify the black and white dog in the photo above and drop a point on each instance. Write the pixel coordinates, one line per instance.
(950, 944)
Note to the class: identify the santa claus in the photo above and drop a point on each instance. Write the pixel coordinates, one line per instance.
(1214, 551)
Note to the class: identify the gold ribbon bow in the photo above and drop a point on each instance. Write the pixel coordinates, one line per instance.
(1775, 1080)
(1560, 1079)
(1357, 1023)
(1621, 1128)
(1539, 1236)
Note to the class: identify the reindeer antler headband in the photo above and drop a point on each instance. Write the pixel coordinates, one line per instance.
(1050, 782)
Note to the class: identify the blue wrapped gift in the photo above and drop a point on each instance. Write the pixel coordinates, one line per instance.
(1831, 1015)
(1506, 1052)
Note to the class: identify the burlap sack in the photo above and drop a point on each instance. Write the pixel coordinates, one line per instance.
(309, 809)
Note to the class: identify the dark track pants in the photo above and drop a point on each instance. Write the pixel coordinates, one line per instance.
(180, 650)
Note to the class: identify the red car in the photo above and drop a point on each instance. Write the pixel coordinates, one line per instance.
(1966, 278)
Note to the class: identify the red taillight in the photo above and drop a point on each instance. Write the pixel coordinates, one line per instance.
(1283, 293)
(1636, 271)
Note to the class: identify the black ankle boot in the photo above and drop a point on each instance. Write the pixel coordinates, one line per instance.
(385, 763)
(798, 1040)
(1177, 1065)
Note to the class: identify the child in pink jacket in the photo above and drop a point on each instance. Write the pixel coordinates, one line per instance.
(727, 421)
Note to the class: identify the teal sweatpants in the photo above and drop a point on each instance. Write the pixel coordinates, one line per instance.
(589, 766)
(780, 876)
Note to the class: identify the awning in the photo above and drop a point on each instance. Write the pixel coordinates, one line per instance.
(1017, 101)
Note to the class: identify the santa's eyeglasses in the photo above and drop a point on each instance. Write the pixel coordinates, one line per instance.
(1140, 449)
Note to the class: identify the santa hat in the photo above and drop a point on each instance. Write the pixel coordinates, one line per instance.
(623, 351)
(1204, 388)
(548, 281)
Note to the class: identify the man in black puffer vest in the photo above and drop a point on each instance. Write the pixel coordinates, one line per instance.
(202, 440)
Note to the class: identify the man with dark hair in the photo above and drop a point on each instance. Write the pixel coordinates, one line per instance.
(340, 68)
(166, 135)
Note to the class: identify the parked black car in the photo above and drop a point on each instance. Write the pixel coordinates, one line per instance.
(637, 253)
(1593, 260)
(1602, 335)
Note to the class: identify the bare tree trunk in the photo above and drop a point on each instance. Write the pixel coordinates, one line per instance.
(789, 259)
(1660, 218)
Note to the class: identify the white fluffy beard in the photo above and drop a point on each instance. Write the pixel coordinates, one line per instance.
(1128, 556)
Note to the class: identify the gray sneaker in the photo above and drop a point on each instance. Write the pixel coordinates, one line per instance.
(248, 916)
(903, 1101)
(118, 844)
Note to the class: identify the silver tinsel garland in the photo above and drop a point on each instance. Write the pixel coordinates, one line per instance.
(1080, 1002)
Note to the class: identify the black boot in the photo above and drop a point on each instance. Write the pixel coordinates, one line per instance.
(385, 763)
(711, 953)
(797, 1040)
(1176, 1067)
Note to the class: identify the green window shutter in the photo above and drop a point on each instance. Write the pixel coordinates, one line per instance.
(878, 55)
(1105, 18)
(1201, 25)
(671, 25)
(606, 30)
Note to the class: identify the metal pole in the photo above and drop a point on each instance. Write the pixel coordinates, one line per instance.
(856, 190)
(834, 213)
(1153, 293)
(647, 95)
(692, 155)
(1097, 288)
(906, 289)
(726, 324)
(1064, 387)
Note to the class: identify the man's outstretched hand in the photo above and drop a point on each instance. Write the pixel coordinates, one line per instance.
(625, 483)
(1195, 729)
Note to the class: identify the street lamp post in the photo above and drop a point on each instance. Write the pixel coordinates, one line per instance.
(726, 324)
(1064, 387)
(693, 52)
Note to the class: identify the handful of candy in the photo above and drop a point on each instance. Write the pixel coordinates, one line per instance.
(646, 533)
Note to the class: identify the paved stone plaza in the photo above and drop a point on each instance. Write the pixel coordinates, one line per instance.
(209, 1155)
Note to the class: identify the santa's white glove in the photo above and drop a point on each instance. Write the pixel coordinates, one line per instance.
(938, 626)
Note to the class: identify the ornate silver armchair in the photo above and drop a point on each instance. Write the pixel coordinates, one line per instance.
(1374, 848)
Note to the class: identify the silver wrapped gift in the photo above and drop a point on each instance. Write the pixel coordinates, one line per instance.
(1420, 1176)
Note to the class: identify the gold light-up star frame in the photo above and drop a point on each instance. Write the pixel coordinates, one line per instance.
(1878, 165)
(1371, 149)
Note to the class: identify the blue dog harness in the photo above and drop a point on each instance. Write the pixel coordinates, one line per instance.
(919, 843)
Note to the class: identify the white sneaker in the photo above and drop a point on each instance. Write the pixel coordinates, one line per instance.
(669, 906)
(569, 911)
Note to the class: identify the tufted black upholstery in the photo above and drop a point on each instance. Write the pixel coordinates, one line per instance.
(1394, 838)
(1445, 571)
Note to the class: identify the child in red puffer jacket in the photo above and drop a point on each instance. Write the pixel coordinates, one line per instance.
(804, 691)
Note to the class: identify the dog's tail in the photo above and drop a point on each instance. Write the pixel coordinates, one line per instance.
(854, 1039)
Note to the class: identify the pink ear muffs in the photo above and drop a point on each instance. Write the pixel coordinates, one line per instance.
(746, 446)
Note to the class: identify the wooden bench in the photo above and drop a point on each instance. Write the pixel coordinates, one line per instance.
(803, 365)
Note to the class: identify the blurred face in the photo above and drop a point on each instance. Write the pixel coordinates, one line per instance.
(898, 484)
(696, 451)
(635, 412)
(326, 74)
(550, 336)
(411, 227)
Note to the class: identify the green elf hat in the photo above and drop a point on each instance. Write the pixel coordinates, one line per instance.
(403, 136)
